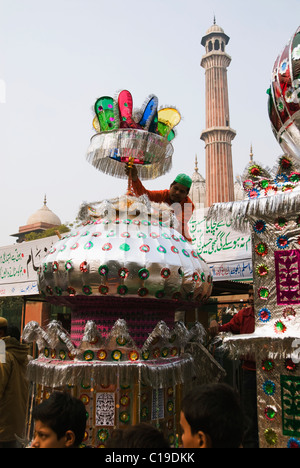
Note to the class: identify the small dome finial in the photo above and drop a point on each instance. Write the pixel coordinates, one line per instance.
(45, 200)
(251, 153)
(196, 163)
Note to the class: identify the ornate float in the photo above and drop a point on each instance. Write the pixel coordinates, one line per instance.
(271, 209)
(124, 272)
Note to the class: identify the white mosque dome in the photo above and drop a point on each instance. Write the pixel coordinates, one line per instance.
(44, 215)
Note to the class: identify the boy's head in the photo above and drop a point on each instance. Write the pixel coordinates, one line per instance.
(211, 417)
(141, 435)
(60, 422)
(3, 327)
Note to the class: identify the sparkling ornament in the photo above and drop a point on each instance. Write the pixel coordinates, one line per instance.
(116, 355)
(289, 312)
(84, 398)
(103, 270)
(68, 265)
(282, 242)
(121, 341)
(270, 413)
(253, 193)
(263, 293)
(102, 434)
(133, 355)
(264, 314)
(271, 437)
(88, 355)
(84, 267)
(143, 274)
(267, 365)
(260, 226)
(290, 365)
(262, 270)
(280, 223)
(123, 273)
(279, 327)
(124, 417)
(269, 387)
(293, 443)
(261, 249)
(103, 289)
(101, 354)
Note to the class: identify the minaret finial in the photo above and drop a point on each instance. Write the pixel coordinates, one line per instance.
(251, 153)
(45, 200)
(214, 19)
(196, 163)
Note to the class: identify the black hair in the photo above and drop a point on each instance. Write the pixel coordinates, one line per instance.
(62, 412)
(142, 435)
(13, 332)
(215, 409)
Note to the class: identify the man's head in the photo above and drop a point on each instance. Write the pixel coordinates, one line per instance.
(180, 187)
(3, 327)
(211, 417)
(60, 422)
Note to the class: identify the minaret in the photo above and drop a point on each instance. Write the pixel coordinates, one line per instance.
(218, 134)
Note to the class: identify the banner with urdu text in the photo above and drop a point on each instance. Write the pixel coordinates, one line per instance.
(19, 264)
(227, 252)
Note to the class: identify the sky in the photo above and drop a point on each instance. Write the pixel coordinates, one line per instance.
(58, 57)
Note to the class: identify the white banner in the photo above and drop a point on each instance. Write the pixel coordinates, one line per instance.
(227, 252)
(19, 264)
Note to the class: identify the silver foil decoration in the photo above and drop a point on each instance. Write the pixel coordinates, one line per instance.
(106, 150)
(123, 255)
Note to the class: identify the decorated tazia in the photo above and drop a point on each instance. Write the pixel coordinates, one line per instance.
(119, 382)
(271, 211)
(123, 272)
(142, 137)
(284, 97)
(128, 252)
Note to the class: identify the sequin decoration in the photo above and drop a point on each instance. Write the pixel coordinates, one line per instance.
(267, 365)
(264, 314)
(289, 312)
(260, 226)
(270, 413)
(293, 443)
(103, 270)
(279, 327)
(88, 355)
(282, 242)
(280, 223)
(143, 274)
(261, 249)
(263, 293)
(271, 437)
(116, 355)
(262, 270)
(269, 387)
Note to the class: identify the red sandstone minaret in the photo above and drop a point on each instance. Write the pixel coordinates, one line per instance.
(218, 134)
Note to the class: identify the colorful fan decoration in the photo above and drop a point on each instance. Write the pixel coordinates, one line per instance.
(141, 137)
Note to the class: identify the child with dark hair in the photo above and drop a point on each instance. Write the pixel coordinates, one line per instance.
(60, 422)
(141, 435)
(211, 417)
